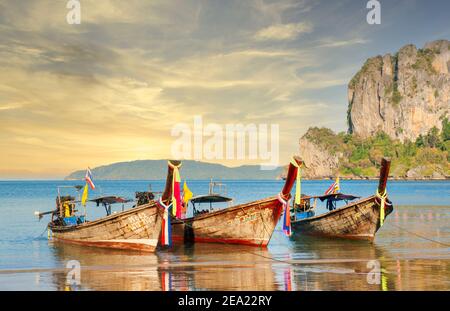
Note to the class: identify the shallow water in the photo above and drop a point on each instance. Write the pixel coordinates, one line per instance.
(411, 251)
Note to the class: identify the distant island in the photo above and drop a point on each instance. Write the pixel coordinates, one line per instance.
(191, 170)
(398, 106)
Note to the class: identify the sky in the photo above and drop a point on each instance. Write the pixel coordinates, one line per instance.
(113, 87)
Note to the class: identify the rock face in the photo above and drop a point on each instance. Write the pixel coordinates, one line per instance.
(319, 161)
(404, 95)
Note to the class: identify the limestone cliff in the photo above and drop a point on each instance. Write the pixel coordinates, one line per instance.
(404, 95)
(399, 106)
(320, 162)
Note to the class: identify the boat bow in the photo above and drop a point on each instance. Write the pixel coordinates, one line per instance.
(357, 220)
(251, 223)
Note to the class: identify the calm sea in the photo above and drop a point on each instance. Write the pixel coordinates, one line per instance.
(410, 251)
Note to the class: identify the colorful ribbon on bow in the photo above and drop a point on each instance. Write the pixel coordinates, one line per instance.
(176, 192)
(382, 197)
(166, 231)
(287, 215)
(285, 202)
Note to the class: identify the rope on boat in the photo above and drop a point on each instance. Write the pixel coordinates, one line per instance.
(421, 236)
(40, 235)
(409, 231)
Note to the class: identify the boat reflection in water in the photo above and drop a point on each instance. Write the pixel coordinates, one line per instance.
(106, 269)
(327, 264)
(397, 261)
(335, 264)
(222, 267)
(182, 268)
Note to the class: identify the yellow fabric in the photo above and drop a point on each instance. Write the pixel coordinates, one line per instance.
(85, 195)
(384, 282)
(66, 209)
(298, 192)
(382, 198)
(187, 193)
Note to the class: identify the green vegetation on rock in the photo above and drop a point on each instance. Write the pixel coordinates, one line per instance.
(358, 157)
(396, 96)
(372, 65)
(425, 60)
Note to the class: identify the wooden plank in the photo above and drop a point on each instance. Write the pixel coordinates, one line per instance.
(357, 221)
(252, 224)
(139, 223)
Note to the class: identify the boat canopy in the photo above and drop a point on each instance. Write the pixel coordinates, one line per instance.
(109, 200)
(337, 197)
(330, 199)
(210, 198)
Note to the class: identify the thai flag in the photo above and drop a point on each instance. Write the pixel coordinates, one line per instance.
(334, 188)
(330, 190)
(88, 178)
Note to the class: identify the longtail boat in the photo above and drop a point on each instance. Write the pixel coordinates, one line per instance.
(249, 224)
(138, 228)
(358, 220)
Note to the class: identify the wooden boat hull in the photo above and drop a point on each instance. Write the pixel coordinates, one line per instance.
(359, 221)
(138, 228)
(248, 224)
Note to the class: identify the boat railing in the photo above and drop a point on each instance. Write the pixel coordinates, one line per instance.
(212, 186)
(330, 199)
(304, 206)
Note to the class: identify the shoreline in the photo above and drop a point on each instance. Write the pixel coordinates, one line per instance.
(303, 178)
(446, 178)
(390, 178)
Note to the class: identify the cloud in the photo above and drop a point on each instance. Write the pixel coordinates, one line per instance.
(333, 43)
(282, 32)
(11, 106)
(275, 10)
(112, 88)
